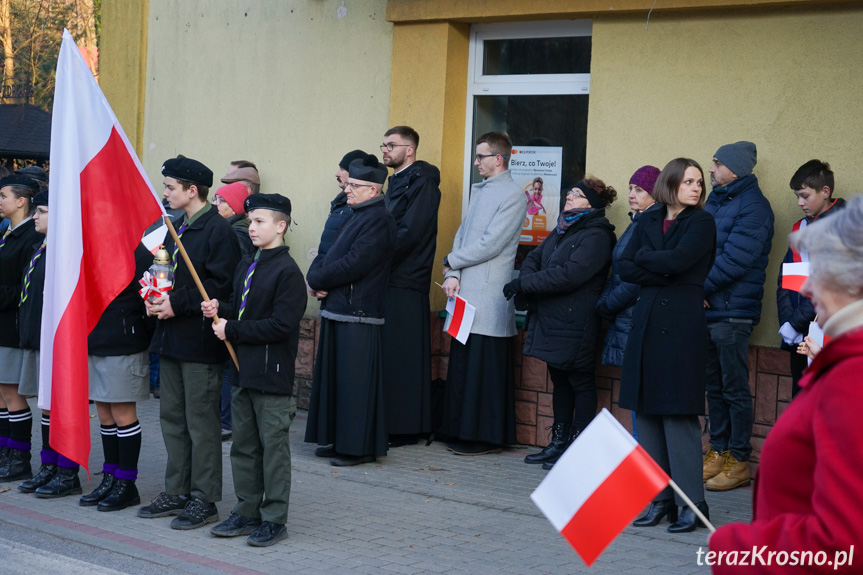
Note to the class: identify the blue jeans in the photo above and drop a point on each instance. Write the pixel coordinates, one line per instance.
(729, 399)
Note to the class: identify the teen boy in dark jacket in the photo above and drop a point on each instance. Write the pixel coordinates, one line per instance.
(192, 358)
(262, 318)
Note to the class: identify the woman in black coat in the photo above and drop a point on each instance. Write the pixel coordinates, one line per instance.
(663, 376)
(560, 281)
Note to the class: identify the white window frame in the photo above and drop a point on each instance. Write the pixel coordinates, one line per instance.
(480, 84)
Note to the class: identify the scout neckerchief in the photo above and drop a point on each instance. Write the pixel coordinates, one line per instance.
(3, 239)
(177, 249)
(246, 283)
(25, 289)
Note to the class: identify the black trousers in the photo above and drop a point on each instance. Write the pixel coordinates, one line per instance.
(574, 391)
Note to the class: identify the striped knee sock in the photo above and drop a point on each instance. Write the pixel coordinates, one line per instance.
(129, 442)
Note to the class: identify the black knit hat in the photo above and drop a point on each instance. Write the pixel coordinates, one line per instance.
(275, 202)
(368, 169)
(350, 157)
(188, 170)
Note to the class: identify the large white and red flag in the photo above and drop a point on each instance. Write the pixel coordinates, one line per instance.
(598, 486)
(101, 202)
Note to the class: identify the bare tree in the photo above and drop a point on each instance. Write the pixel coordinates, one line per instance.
(8, 53)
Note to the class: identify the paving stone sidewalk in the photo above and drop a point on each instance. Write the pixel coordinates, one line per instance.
(418, 510)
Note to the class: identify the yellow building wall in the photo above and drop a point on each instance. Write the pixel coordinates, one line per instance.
(787, 80)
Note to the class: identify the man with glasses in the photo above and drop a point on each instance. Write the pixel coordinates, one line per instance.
(479, 409)
(413, 198)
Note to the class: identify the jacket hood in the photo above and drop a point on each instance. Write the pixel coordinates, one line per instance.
(421, 168)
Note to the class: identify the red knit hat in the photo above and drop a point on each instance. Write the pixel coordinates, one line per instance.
(235, 194)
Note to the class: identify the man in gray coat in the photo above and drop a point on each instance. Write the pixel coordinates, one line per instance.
(479, 407)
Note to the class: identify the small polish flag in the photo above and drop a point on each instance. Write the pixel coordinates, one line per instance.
(459, 318)
(794, 275)
(818, 336)
(156, 238)
(598, 486)
(101, 203)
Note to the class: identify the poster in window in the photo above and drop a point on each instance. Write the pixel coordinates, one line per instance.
(537, 170)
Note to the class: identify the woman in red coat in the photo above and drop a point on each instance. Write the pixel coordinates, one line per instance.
(806, 503)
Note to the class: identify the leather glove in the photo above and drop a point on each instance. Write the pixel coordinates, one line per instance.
(512, 288)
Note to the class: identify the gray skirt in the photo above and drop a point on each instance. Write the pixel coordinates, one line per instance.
(10, 365)
(119, 378)
(28, 381)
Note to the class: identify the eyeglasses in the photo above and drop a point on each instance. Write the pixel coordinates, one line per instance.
(481, 157)
(391, 147)
(574, 194)
(217, 200)
(353, 185)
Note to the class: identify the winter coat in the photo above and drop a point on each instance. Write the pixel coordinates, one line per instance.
(807, 491)
(214, 251)
(240, 225)
(124, 327)
(794, 307)
(483, 252)
(413, 198)
(617, 299)
(355, 270)
(267, 336)
(340, 211)
(666, 355)
(563, 278)
(744, 230)
(14, 259)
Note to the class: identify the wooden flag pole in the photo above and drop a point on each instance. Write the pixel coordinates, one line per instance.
(198, 283)
(692, 506)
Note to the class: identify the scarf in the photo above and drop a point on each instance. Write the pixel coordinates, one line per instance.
(569, 217)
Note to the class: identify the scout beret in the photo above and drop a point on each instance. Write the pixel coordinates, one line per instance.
(34, 172)
(275, 202)
(40, 199)
(188, 170)
(368, 169)
(19, 180)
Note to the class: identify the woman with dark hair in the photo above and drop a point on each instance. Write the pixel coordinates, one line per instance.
(560, 282)
(663, 377)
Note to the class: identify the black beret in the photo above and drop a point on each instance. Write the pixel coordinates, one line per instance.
(275, 202)
(368, 169)
(20, 180)
(40, 199)
(350, 157)
(188, 170)
(34, 172)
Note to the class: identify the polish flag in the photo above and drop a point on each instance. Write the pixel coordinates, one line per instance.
(794, 275)
(459, 318)
(101, 202)
(598, 486)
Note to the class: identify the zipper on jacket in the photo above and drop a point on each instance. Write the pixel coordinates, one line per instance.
(266, 357)
(351, 293)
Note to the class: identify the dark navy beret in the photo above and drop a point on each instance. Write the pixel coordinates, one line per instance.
(20, 180)
(188, 170)
(34, 172)
(40, 199)
(275, 202)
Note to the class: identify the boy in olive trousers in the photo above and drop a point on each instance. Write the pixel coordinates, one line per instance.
(262, 320)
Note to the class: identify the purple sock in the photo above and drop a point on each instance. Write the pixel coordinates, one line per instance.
(49, 457)
(65, 463)
(4, 442)
(110, 468)
(18, 445)
(127, 474)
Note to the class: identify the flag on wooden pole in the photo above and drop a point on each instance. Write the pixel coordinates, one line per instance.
(101, 203)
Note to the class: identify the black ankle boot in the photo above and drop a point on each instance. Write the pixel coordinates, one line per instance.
(46, 474)
(4, 455)
(688, 520)
(17, 466)
(123, 494)
(655, 513)
(66, 482)
(100, 493)
(552, 451)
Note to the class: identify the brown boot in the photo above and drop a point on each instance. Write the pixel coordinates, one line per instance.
(734, 474)
(713, 463)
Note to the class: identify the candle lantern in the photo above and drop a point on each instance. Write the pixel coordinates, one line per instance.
(161, 275)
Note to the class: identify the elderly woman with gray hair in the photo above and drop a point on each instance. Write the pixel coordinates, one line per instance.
(806, 504)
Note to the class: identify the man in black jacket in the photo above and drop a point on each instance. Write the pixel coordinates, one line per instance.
(413, 198)
(192, 358)
(262, 319)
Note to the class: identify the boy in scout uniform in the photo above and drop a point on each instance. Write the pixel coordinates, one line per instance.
(262, 318)
(192, 358)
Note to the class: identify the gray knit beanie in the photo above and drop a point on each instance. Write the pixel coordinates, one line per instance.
(740, 157)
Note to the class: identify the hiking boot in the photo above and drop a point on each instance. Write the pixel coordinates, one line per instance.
(123, 494)
(267, 534)
(164, 505)
(236, 525)
(734, 474)
(712, 465)
(98, 494)
(45, 475)
(64, 483)
(196, 514)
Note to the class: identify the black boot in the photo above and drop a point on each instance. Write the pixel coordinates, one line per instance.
(573, 434)
(100, 493)
(658, 510)
(4, 455)
(123, 494)
(17, 466)
(688, 520)
(66, 482)
(43, 477)
(558, 444)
